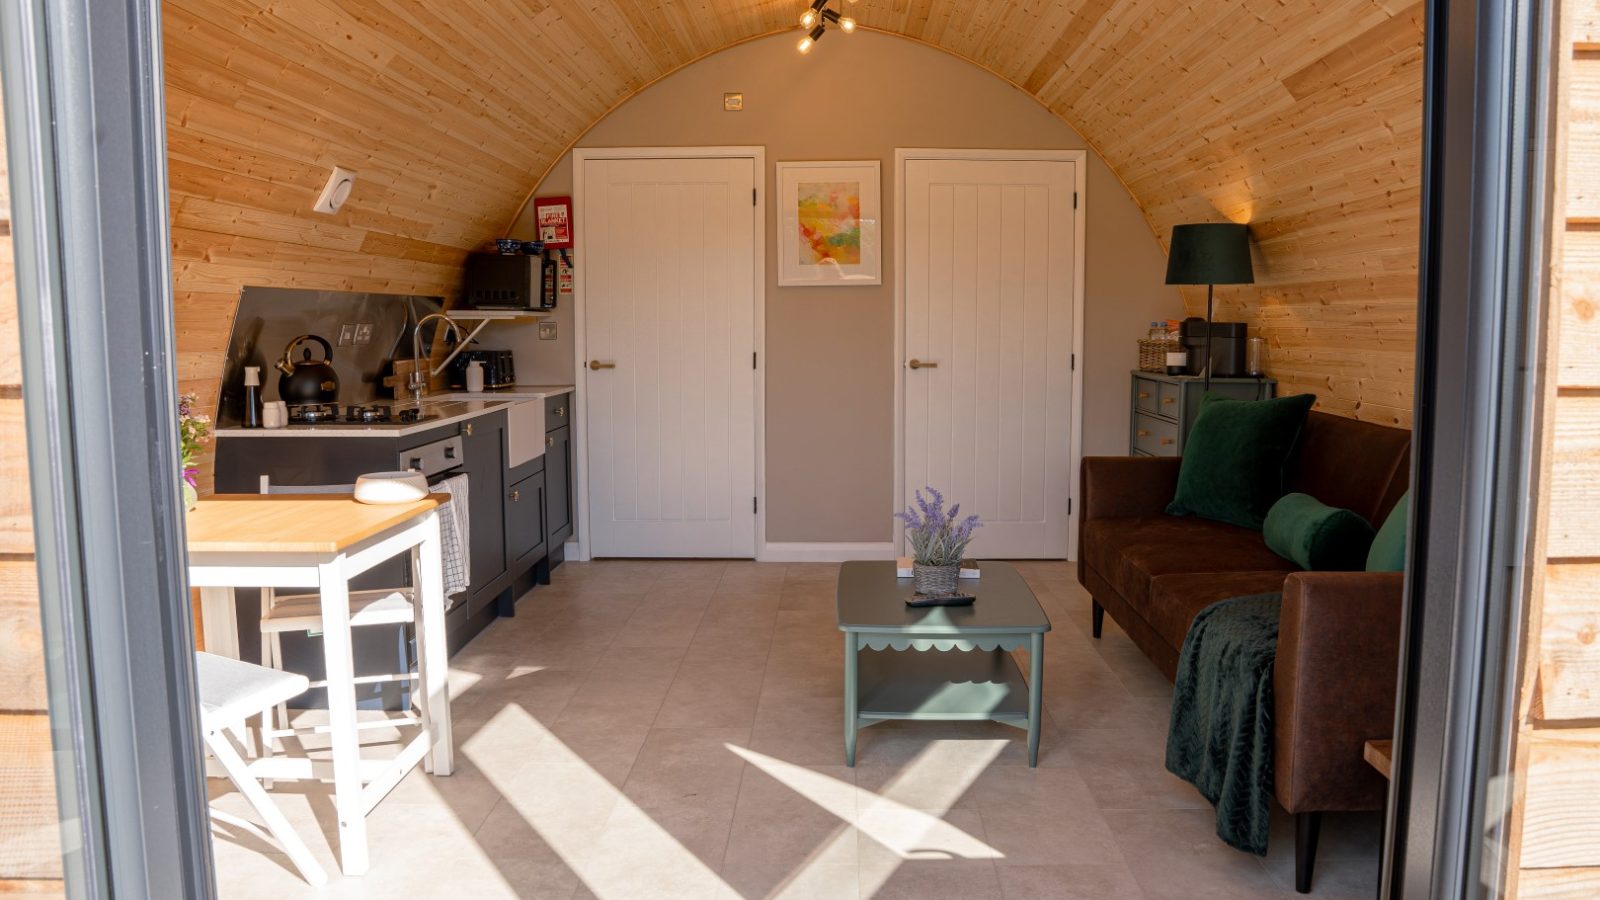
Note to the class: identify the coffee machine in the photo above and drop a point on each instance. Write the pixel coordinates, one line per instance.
(1228, 340)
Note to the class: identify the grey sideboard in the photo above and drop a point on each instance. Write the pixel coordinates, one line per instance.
(1164, 407)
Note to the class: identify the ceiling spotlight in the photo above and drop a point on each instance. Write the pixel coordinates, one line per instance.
(816, 19)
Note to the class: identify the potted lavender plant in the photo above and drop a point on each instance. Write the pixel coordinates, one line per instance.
(193, 431)
(938, 541)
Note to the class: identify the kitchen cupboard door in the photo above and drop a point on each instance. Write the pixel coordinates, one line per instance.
(988, 342)
(525, 521)
(668, 250)
(558, 486)
(483, 440)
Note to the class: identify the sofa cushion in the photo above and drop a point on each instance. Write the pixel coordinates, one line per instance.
(1129, 552)
(1236, 461)
(1316, 536)
(1175, 600)
(1388, 551)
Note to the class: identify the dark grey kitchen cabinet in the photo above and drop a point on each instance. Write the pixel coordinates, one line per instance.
(484, 449)
(525, 521)
(558, 515)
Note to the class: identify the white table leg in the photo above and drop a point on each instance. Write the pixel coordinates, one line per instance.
(220, 621)
(433, 657)
(344, 738)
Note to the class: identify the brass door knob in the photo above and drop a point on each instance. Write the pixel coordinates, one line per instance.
(919, 364)
(596, 365)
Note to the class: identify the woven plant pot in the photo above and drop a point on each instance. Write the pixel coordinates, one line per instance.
(933, 580)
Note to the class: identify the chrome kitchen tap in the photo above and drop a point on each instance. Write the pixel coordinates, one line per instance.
(420, 373)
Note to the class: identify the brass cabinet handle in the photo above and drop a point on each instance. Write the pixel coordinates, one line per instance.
(549, 442)
(467, 429)
(561, 411)
(1168, 401)
(515, 496)
(1144, 395)
(1165, 441)
(919, 364)
(1143, 433)
(596, 365)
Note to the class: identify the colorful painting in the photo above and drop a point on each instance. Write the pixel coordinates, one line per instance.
(830, 223)
(829, 213)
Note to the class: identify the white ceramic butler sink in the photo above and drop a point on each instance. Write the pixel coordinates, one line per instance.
(524, 431)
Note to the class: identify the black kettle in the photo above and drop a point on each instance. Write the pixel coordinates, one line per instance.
(307, 381)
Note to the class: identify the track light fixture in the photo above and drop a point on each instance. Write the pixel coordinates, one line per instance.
(816, 19)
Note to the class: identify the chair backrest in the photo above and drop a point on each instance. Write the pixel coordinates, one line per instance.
(1353, 465)
(267, 487)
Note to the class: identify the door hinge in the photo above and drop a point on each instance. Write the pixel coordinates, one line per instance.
(752, 360)
(755, 504)
(1074, 362)
(1069, 506)
(1074, 199)
(753, 198)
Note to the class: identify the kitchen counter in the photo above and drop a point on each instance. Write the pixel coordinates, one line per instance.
(443, 409)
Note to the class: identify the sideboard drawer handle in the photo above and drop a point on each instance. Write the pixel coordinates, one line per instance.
(1165, 441)
(1143, 433)
(1144, 395)
(1169, 400)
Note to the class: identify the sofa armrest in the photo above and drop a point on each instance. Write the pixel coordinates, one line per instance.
(1119, 486)
(1334, 687)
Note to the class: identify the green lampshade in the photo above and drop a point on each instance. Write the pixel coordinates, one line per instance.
(1210, 253)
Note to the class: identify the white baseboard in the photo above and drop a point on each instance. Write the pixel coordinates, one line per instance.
(573, 551)
(819, 552)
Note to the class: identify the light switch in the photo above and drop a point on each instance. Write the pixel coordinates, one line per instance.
(347, 334)
(733, 101)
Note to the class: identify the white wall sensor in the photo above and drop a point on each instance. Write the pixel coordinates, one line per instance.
(336, 191)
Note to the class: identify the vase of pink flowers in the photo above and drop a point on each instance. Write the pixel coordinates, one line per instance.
(938, 541)
(193, 431)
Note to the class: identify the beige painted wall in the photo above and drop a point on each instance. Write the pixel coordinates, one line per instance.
(830, 351)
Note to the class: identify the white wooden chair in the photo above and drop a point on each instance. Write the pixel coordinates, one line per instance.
(231, 692)
(284, 613)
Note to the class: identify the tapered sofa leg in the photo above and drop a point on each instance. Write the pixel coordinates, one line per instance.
(1099, 618)
(1306, 826)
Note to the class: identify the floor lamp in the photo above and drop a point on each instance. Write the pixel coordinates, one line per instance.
(1209, 253)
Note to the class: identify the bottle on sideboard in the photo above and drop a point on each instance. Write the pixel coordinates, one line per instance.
(251, 417)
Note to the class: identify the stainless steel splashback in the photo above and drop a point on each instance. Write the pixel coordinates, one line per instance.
(269, 318)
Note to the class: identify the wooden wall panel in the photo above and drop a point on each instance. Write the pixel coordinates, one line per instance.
(1556, 779)
(1303, 119)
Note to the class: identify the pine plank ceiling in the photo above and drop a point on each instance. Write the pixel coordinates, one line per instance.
(1302, 118)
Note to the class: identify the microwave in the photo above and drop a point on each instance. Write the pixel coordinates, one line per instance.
(496, 281)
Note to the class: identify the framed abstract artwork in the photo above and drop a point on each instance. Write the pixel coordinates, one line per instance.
(829, 218)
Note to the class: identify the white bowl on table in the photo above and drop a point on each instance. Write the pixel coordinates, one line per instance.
(391, 487)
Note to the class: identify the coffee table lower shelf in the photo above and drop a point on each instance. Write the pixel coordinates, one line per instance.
(941, 685)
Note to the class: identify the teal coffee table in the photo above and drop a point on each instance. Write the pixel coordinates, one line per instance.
(939, 663)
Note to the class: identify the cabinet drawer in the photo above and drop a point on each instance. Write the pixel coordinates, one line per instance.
(1167, 400)
(1146, 394)
(557, 411)
(1154, 436)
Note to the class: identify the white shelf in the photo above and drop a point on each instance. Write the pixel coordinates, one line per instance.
(495, 315)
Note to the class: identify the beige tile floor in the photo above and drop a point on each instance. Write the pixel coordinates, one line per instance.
(668, 729)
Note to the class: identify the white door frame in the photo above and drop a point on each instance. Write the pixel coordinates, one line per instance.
(902, 155)
(580, 357)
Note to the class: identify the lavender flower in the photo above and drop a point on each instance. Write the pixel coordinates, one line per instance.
(938, 538)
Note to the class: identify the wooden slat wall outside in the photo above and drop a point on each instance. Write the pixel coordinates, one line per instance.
(30, 846)
(1303, 119)
(1554, 851)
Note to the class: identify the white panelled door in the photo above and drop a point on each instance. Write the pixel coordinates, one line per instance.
(669, 249)
(988, 343)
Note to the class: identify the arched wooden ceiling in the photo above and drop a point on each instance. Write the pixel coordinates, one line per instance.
(1302, 118)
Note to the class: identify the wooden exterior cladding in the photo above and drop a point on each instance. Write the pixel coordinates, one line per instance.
(1304, 120)
(1555, 813)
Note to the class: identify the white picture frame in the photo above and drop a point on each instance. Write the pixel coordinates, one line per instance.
(836, 240)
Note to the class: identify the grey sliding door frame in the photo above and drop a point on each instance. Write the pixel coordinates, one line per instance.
(85, 128)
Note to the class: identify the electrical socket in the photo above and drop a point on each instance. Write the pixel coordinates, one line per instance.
(547, 331)
(363, 334)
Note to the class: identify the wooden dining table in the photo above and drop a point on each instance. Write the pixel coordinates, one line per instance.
(320, 542)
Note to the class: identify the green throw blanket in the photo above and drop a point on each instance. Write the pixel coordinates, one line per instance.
(1220, 738)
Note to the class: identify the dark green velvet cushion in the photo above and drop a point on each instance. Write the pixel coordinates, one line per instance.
(1236, 460)
(1388, 553)
(1317, 537)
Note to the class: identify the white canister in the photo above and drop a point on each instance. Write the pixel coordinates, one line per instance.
(475, 376)
(274, 414)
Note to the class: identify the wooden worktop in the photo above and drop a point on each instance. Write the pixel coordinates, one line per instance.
(294, 523)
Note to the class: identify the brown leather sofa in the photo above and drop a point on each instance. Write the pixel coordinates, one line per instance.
(1339, 632)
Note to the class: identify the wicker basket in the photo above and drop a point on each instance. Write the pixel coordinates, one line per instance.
(933, 581)
(1153, 354)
